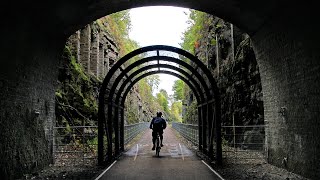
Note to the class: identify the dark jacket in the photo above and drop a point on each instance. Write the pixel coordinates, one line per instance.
(162, 125)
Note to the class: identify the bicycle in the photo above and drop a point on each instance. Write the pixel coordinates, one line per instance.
(157, 143)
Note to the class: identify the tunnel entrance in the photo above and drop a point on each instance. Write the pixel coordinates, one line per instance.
(154, 60)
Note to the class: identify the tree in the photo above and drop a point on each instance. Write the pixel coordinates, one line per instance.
(178, 90)
(176, 110)
(153, 81)
(162, 100)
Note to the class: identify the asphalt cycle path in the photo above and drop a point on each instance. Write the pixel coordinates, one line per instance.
(176, 162)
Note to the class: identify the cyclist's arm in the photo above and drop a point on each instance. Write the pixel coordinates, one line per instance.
(164, 124)
(151, 124)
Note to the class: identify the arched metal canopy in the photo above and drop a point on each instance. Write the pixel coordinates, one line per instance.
(202, 85)
(188, 80)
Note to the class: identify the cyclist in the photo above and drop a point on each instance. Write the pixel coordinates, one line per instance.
(158, 124)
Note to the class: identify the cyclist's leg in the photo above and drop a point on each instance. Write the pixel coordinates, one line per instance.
(154, 136)
(161, 137)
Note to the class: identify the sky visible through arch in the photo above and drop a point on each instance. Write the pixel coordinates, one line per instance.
(159, 25)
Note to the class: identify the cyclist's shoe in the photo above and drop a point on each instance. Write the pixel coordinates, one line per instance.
(161, 145)
(153, 148)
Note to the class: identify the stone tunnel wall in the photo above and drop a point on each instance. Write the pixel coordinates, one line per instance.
(288, 57)
(28, 76)
(289, 88)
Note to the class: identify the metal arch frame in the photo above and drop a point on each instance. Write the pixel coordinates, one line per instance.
(199, 96)
(128, 79)
(194, 85)
(205, 114)
(155, 72)
(133, 83)
(123, 74)
(163, 58)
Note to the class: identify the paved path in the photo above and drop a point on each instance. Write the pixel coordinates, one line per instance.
(176, 162)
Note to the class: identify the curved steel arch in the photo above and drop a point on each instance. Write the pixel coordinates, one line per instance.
(195, 90)
(130, 67)
(199, 96)
(163, 58)
(137, 80)
(159, 48)
(155, 72)
(204, 109)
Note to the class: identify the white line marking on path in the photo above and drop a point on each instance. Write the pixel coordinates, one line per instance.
(105, 170)
(135, 157)
(181, 152)
(213, 170)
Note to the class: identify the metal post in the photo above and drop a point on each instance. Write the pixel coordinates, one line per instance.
(217, 115)
(234, 131)
(116, 131)
(204, 128)
(109, 127)
(211, 128)
(200, 127)
(101, 121)
(122, 129)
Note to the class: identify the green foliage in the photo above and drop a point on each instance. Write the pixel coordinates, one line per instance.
(58, 94)
(213, 42)
(162, 99)
(192, 35)
(153, 81)
(76, 103)
(178, 90)
(176, 110)
(119, 25)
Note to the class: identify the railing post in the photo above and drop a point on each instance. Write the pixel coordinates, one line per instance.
(217, 116)
(211, 131)
(204, 128)
(101, 121)
(122, 129)
(116, 131)
(200, 128)
(109, 134)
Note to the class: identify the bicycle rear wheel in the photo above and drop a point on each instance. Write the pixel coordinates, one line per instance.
(158, 146)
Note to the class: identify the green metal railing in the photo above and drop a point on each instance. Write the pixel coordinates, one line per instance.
(132, 130)
(188, 131)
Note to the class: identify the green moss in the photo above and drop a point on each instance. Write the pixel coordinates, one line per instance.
(78, 68)
(58, 94)
(76, 95)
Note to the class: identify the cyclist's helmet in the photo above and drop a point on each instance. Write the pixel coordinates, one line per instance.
(159, 114)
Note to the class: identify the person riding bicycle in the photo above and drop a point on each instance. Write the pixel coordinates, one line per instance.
(158, 124)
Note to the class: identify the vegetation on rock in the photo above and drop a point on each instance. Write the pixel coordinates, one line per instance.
(237, 74)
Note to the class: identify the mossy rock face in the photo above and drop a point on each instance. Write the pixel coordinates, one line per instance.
(238, 78)
(76, 95)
